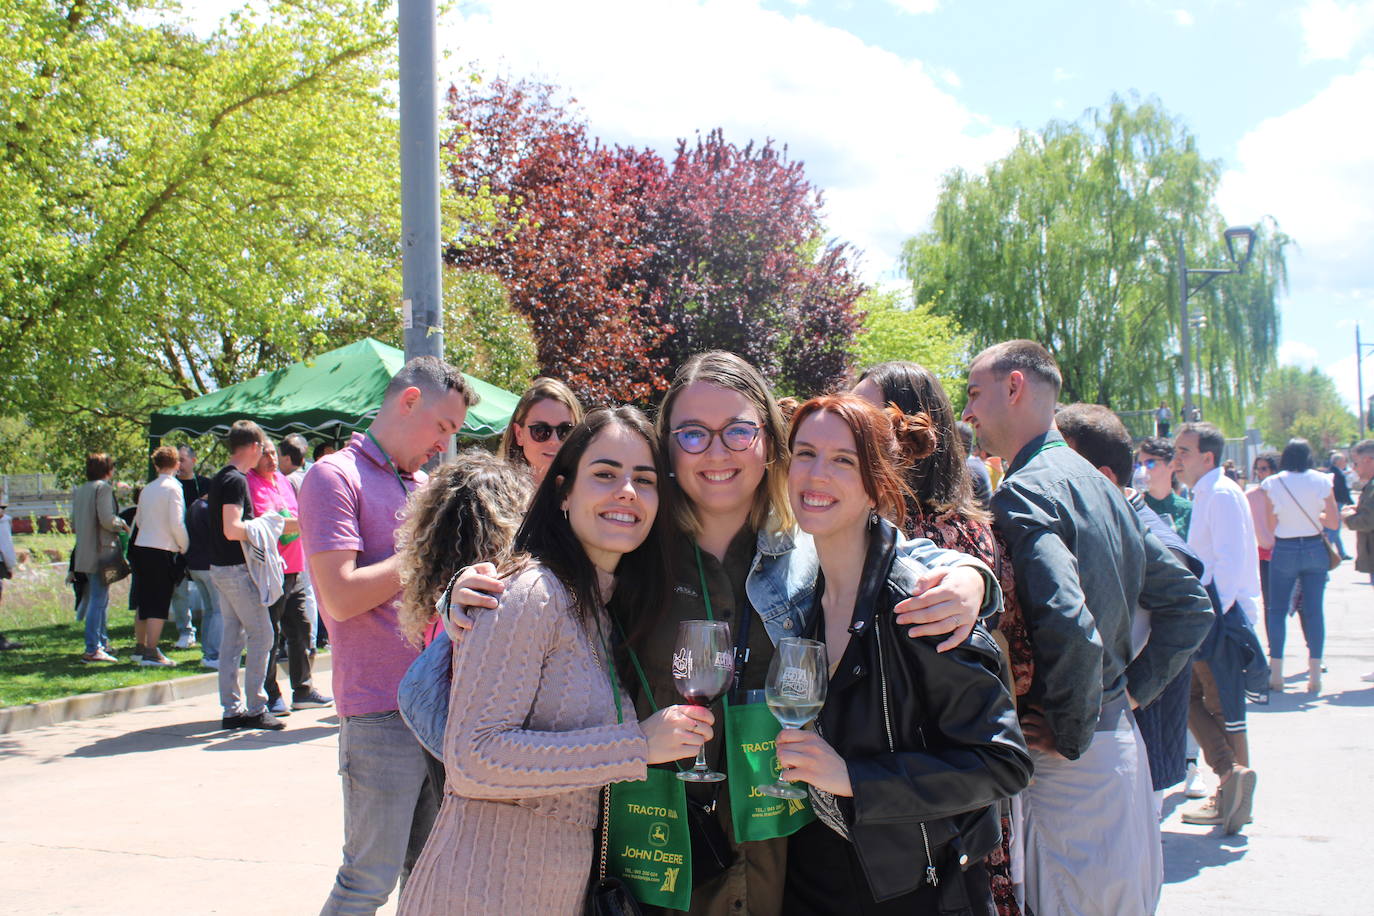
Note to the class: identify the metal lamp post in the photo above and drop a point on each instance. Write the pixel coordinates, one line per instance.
(1240, 245)
(422, 314)
(1359, 379)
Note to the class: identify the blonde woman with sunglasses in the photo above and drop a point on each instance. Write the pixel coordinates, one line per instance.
(543, 418)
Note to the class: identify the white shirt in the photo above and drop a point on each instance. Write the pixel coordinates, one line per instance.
(1222, 534)
(7, 544)
(161, 516)
(1298, 499)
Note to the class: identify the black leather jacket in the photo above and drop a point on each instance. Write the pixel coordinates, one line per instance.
(931, 739)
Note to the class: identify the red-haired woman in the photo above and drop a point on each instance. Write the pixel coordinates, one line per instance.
(914, 748)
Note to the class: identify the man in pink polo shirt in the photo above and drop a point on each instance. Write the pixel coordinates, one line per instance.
(351, 505)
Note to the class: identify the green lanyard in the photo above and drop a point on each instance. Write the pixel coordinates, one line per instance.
(741, 637)
(389, 463)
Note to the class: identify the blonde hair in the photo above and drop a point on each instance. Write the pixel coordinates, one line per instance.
(771, 509)
(541, 389)
(467, 513)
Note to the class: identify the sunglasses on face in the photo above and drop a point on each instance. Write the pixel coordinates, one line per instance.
(1152, 463)
(540, 432)
(693, 438)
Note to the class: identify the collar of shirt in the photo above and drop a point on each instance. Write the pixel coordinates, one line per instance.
(1032, 448)
(364, 444)
(1206, 483)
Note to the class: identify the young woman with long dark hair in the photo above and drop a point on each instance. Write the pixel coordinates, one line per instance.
(533, 730)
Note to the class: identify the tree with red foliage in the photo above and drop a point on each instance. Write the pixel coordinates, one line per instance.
(626, 267)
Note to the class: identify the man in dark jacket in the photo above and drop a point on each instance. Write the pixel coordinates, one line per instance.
(1340, 490)
(1360, 517)
(1083, 564)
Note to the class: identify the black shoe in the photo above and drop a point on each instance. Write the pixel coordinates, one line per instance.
(229, 723)
(265, 720)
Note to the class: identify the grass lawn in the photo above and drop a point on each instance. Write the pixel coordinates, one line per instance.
(49, 666)
(46, 548)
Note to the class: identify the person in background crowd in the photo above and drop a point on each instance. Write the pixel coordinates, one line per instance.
(1266, 466)
(1155, 457)
(190, 598)
(155, 555)
(1300, 500)
(1221, 533)
(243, 609)
(323, 449)
(977, 468)
(524, 765)
(951, 749)
(1359, 518)
(1091, 778)
(1096, 433)
(543, 417)
(9, 561)
(1163, 417)
(96, 522)
(272, 493)
(292, 462)
(351, 504)
(1228, 467)
(198, 569)
(1340, 489)
(945, 508)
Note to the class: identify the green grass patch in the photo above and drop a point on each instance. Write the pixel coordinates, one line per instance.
(50, 667)
(46, 548)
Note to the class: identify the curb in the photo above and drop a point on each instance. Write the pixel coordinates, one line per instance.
(121, 699)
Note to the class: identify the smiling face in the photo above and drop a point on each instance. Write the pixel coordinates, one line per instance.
(426, 424)
(544, 413)
(614, 497)
(719, 480)
(823, 479)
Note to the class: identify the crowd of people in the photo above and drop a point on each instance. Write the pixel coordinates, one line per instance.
(1030, 636)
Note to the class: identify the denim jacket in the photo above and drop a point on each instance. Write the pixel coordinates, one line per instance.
(782, 583)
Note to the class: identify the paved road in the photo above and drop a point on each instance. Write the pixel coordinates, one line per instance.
(156, 811)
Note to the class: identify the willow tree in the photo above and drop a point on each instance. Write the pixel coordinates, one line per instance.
(1072, 240)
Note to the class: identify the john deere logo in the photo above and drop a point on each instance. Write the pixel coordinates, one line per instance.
(777, 766)
(658, 835)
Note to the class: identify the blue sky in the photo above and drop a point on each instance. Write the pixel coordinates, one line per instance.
(881, 97)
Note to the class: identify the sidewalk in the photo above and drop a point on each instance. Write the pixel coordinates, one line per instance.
(155, 811)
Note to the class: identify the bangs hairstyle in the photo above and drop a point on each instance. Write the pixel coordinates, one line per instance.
(940, 482)
(468, 513)
(643, 574)
(541, 389)
(887, 441)
(771, 508)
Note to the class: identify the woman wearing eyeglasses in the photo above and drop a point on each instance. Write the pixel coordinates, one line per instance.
(545, 414)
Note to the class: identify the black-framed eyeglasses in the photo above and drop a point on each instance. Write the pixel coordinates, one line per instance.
(541, 431)
(694, 438)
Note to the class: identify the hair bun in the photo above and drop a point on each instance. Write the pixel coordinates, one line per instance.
(915, 433)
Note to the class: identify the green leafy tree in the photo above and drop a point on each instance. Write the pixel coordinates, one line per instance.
(1304, 403)
(1071, 240)
(893, 329)
(179, 213)
(483, 334)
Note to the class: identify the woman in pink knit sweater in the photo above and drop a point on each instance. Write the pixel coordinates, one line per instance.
(532, 733)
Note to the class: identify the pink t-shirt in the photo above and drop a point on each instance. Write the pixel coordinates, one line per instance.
(351, 500)
(269, 498)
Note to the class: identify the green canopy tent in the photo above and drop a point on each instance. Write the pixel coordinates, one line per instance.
(330, 396)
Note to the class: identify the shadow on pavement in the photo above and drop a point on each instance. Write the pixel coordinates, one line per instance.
(1187, 854)
(1362, 697)
(191, 734)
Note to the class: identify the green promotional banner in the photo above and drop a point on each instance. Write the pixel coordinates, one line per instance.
(751, 754)
(650, 848)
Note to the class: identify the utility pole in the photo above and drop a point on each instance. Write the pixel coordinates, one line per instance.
(422, 314)
(1240, 245)
(1185, 333)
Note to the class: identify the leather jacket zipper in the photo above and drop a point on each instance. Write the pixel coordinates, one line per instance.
(931, 876)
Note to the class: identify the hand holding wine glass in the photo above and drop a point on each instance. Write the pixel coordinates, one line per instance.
(703, 666)
(795, 691)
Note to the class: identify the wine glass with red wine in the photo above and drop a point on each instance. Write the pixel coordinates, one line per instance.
(703, 666)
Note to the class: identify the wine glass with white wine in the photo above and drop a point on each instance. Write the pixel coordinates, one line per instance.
(795, 692)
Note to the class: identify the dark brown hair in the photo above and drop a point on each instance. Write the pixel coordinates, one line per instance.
(541, 389)
(1025, 356)
(1099, 436)
(887, 441)
(98, 466)
(243, 433)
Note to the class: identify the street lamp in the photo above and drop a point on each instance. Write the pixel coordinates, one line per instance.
(1359, 379)
(1240, 245)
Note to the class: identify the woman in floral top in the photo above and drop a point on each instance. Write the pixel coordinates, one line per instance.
(945, 511)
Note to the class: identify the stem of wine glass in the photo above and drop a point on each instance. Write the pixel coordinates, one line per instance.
(701, 760)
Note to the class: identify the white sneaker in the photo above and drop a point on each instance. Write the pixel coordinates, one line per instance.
(1194, 786)
(1368, 678)
(211, 663)
(186, 641)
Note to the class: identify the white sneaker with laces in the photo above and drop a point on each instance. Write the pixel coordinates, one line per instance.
(186, 641)
(1194, 786)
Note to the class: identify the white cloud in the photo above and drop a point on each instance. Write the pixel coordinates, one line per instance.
(1332, 30)
(1297, 353)
(916, 7)
(1183, 18)
(1062, 76)
(875, 130)
(1342, 372)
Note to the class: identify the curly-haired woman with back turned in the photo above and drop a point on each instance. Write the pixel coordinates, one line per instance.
(942, 507)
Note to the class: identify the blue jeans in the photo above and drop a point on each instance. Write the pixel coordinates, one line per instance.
(1334, 536)
(1297, 560)
(93, 607)
(389, 807)
(186, 600)
(211, 624)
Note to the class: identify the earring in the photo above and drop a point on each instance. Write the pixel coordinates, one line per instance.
(872, 517)
(565, 515)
